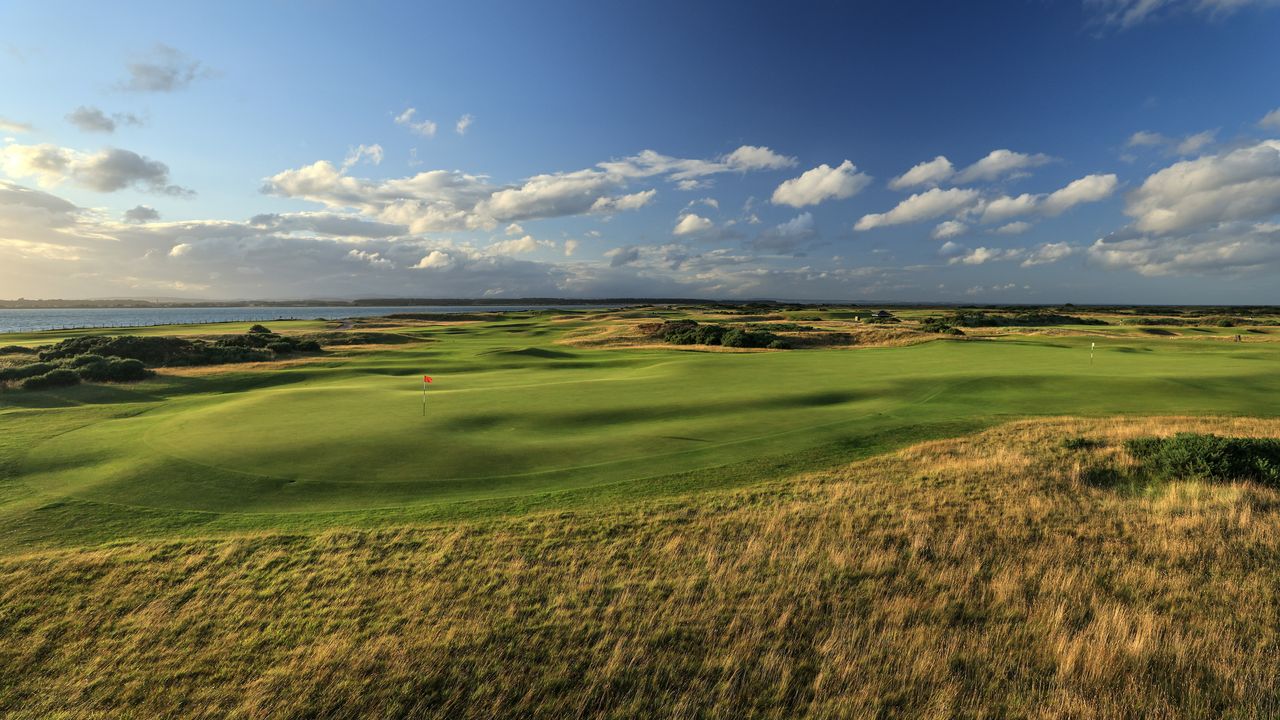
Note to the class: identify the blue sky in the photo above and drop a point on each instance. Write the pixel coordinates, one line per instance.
(1096, 151)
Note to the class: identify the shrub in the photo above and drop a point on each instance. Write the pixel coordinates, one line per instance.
(25, 371)
(114, 370)
(940, 326)
(281, 347)
(307, 346)
(779, 344)
(61, 377)
(260, 330)
(82, 360)
(17, 350)
(1209, 457)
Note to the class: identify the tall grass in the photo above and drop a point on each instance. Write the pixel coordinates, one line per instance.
(979, 577)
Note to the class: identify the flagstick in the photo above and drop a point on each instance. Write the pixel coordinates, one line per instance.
(424, 397)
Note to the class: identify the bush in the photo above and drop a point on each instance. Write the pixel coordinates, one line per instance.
(61, 377)
(82, 360)
(1209, 457)
(260, 330)
(26, 371)
(17, 350)
(1080, 442)
(940, 326)
(114, 370)
(307, 346)
(281, 347)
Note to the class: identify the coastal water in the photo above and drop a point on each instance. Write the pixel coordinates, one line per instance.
(29, 320)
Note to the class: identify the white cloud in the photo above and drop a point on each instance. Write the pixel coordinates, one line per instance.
(1005, 207)
(821, 183)
(931, 173)
(1240, 184)
(374, 259)
(107, 170)
(634, 201)
(570, 247)
(514, 229)
(1049, 253)
(921, 206)
(1192, 144)
(1270, 121)
(1090, 188)
(515, 246)
(1125, 14)
(435, 260)
(979, 256)
(1143, 138)
(691, 224)
(451, 200)
(425, 128)
(1013, 228)
(1231, 251)
(949, 229)
(370, 153)
(1000, 163)
(463, 124)
(164, 69)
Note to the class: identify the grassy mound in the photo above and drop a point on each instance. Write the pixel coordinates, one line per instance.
(977, 577)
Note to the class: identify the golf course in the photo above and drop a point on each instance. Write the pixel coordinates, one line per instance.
(581, 429)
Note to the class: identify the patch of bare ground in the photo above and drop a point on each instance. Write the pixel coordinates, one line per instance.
(985, 576)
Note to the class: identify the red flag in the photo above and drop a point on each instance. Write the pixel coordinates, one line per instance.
(426, 378)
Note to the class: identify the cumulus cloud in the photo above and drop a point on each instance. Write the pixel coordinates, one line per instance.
(692, 224)
(425, 128)
(622, 256)
(141, 214)
(949, 229)
(981, 255)
(107, 170)
(463, 124)
(1049, 253)
(13, 126)
(164, 69)
(921, 206)
(688, 172)
(1227, 251)
(570, 247)
(821, 183)
(633, 201)
(1271, 120)
(1001, 163)
(1237, 185)
(1090, 188)
(451, 200)
(516, 246)
(931, 173)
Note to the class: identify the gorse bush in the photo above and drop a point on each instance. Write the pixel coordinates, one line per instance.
(690, 332)
(22, 372)
(113, 370)
(62, 377)
(1209, 457)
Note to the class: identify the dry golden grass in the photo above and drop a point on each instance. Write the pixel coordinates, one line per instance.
(978, 577)
(625, 334)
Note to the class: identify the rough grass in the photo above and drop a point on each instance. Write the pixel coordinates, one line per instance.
(980, 577)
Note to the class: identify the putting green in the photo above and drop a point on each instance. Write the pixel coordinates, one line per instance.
(508, 419)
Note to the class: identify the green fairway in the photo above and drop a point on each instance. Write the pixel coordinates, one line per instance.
(512, 415)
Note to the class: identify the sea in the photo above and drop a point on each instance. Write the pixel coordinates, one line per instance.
(30, 320)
